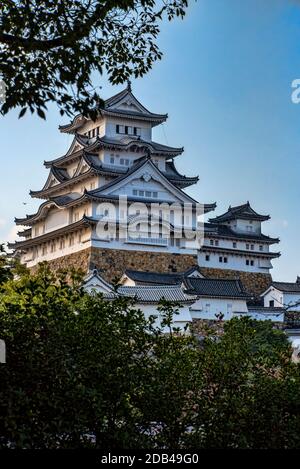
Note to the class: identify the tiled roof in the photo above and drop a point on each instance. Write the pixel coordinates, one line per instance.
(129, 141)
(287, 287)
(240, 212)
(222, 231)
(109, 108)
(219, 288)
(156, 278)
(96, 166)
(240, 252)
(154, 294)
(85, 221)
(263, 309)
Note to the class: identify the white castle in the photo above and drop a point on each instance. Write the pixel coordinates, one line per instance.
(97, 200)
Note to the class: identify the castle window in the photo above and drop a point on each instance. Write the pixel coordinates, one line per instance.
(207, 307)
(271, 303)
(141, 193)
(261, 248)
(71, 240)
(234, 244)
(247, 262)
(247, 246)
(220, 259)
(252, 263)
(112, 160)
(225, 260)
(216, 243)
(137, 131)
(117, 129)
(44, 250)
(52, 247)
(207, 257)
(252, 247)
(128, 130)
(211, 242)
(62, 244)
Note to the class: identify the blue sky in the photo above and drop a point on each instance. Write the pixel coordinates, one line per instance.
(225, 80)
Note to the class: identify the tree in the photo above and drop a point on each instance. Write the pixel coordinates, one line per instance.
(84, 372)
(5, 272)
(50, 49)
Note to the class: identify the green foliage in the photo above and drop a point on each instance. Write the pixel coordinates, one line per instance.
(50, 49)
(85, 372)
(5, 271)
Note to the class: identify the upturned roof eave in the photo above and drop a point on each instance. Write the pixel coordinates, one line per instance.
(241, 252)
(263, 239)
(85, 221)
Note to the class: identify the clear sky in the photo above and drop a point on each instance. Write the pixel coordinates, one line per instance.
(225, 80)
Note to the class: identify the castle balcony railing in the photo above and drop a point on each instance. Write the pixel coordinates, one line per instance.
(147, 240)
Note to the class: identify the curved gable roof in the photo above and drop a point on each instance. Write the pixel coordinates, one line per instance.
(244, 211)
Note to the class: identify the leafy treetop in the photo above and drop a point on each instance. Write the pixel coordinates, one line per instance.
(50, 49)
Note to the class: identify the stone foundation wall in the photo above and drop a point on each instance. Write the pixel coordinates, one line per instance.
(206, 327)
(79, 260)
(112, 263)
(253, 283)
